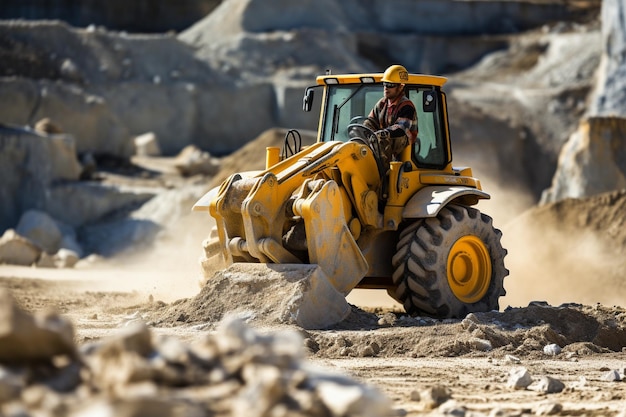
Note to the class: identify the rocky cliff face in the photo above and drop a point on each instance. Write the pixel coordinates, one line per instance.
(519, 81)
(593, 160)
(240, 70)
(610, 97)
(131, 16)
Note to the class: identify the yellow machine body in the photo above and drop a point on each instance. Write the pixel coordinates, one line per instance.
(331, 205)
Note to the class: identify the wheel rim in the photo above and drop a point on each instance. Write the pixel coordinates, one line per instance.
(469, 269)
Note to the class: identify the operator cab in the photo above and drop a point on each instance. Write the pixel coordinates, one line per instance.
(349, 99)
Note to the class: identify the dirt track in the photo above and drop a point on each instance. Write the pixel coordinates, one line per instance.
(405, 357)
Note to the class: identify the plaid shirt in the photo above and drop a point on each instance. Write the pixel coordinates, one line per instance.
(398, 117)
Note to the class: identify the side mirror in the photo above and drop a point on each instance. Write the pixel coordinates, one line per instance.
(429, 101)
(307, 101)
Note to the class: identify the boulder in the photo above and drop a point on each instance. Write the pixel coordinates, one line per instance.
(109, 238)
(65, 258)
(41, 229)
(192, 161)
(25, 337)
(81, 203)
(46, 261)
(29, 164)
(511, 113)
(593, 160)
(147, 145)
(225, 124)
(17, 250)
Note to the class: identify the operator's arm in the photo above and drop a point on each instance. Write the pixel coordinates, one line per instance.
(373, 118)
(406, 123)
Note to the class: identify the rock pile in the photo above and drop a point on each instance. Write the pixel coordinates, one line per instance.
(236, 371)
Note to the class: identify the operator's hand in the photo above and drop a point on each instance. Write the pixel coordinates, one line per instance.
(383, 135)
(370, 124)
(380, 138)
(381, 144)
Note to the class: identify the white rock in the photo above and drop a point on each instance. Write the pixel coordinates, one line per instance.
(480, 344)
(519, 378)
(549, 385)
(65, 258)
(548, 409)
(612, 376)
(552, 349)
(433, 397)
(512, 359)
(41, 229)
(17, 250)
(147, 145)
(357, 400)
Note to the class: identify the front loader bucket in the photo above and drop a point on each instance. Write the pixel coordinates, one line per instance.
(280, 293)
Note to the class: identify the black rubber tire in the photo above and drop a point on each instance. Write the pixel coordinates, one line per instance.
(420, 265)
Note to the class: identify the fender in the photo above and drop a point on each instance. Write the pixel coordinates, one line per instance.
(429, 200)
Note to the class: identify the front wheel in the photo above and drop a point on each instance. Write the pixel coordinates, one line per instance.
(450, 265)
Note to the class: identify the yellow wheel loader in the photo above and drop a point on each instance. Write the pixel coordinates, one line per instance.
(329, 218)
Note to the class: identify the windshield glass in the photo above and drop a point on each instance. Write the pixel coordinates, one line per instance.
(352, 103)
(358, 106)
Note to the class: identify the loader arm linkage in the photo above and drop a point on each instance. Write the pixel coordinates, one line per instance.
(323, 188)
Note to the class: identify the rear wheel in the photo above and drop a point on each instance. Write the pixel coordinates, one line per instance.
(450, 265)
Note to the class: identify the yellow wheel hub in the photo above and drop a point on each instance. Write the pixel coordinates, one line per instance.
(469, 269)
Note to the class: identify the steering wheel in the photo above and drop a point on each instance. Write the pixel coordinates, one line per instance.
(359, 131)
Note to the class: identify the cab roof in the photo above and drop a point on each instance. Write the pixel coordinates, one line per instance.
(419, 79)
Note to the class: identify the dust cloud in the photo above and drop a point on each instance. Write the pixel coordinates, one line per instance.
(550, 263)
(168, 270)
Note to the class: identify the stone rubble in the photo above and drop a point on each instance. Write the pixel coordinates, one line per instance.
(193, 161)
(234, 371)
(40, 240)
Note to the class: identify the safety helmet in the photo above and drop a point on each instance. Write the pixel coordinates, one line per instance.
(396, 74)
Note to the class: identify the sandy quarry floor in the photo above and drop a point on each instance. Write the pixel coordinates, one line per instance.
(404, 356)
(401, 355)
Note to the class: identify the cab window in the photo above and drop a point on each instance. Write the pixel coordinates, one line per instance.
(430, 150)
(352, 103)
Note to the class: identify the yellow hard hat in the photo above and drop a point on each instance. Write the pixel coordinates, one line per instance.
(396, 74)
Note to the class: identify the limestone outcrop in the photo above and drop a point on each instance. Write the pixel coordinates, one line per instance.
(593, 161)
(610, 95)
